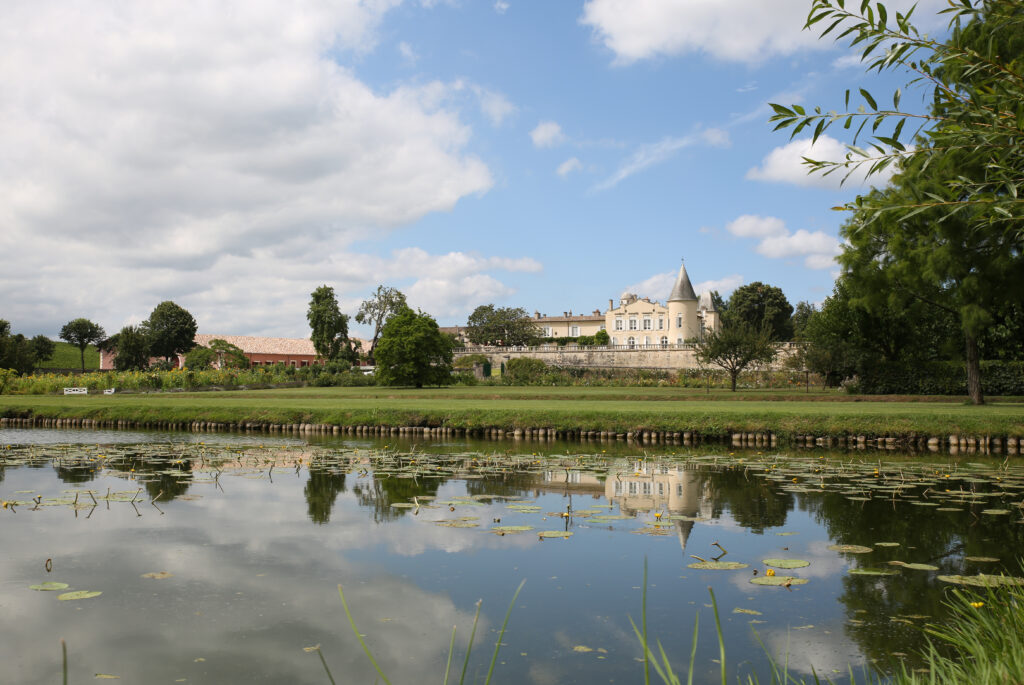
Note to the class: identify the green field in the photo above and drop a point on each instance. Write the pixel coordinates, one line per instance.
(67, 356)
(563, 408)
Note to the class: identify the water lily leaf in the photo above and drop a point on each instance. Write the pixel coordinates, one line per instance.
(79, 594)
(511, 529)
(786, 534)
(851, 549)
(949, 509)
(982, 559)
(786, 563)
(48, 586)
(718, 565)
(107, 676)
(778, 580)
(157, 575)
(403, 505)
(982, 580)
(887, 544)
(871, 572)
(752, 612)
(555, 533)
(582, 648)
(916, 567)
(995, 512)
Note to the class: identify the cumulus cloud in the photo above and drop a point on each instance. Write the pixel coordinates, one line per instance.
(753, 226)
(500, 7)
(724, 286)
(547, 134)
(785, 164)
(568, 166)
(732, 30)
(223, 159)
(818, 248)
(495, 106)
(659, 286)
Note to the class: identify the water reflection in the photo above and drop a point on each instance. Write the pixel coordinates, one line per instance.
(253, 581)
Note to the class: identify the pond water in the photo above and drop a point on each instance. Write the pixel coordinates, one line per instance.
(219, 557)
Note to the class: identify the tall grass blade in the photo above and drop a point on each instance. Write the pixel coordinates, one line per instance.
(359, 637)
(64, 659)
(469, 647)
(327, 670)
(448, 665)
(718, 627)
(497, 645)
(643, 622)
(693, 649)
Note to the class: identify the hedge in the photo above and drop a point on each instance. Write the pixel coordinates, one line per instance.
(937, 378)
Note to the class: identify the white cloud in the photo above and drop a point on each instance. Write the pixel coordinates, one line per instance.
(223, 159)
(500, 7)
(753, 226)
(848, 62)
(724, 286)
(495, 106)
(659, 286)
(775, 241)
(655, 153)
(732, 30)
(407, 53)
(785, 165)
(547, 134)
(568, 166)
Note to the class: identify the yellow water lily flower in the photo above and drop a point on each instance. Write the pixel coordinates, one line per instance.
(770, 572)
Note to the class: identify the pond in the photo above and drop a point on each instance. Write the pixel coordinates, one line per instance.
(218, 558)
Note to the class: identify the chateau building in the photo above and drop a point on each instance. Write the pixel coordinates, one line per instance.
(641, 321)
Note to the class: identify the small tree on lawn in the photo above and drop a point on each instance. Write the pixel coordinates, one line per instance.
(81, 333)
(736, 347)
(412, 350)
(171, 330)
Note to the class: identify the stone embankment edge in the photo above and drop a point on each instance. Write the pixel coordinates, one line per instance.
(1010, 445)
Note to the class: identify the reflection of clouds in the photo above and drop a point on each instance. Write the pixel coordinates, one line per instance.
(245, 596)
(824, 564)
(819, 649)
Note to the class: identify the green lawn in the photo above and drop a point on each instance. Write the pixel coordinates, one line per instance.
(617, 409)
(67, 356)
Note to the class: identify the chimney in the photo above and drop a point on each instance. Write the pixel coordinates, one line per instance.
(610, 305)
(536, 314)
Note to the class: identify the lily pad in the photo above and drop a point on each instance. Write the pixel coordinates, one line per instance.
(778, 580)
(403, 505)
(851, 549)
(555, 534)
(79, 594)
(887, 544)
(871, 572)
(786, 563)
(511, 529)
(982, 580)
(995, 512)
(718, 565)
(787, 534)
(916, 567)
(48, 586)
(752, 612)
(982, 559)
(157, 575)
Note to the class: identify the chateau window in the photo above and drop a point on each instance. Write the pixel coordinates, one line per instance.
(647, 341)
(615, 341)
(664, 341)
(602, 327)
(547, 331)
(661, 489)
(618, 488)
(679, 321)
(631, 341)
(574, 331)
(632, 324)
(647, 323)
(618, 323)
(632, 488)
(679, 341)
(679, 490)
(661, 323)
(647, 488)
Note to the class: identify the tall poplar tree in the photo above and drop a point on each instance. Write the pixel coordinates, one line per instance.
(329, 326)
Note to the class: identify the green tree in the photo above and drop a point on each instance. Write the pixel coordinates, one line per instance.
(802, 313)
(132, 348)
(602, 338)
(376, 311)
(412, 350)
(200, 357)
(170, 330)
(229, 356)
(43, 349)
(329, 326)
(505, 326)
(756, 305)
(81, 333)
(735, 347)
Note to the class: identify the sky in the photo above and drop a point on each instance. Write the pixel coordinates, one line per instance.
(232, 156)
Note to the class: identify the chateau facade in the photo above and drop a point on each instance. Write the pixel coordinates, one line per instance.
(640, 321)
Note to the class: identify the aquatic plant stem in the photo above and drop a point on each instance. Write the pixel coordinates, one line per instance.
(497, 645)
(64, 659)
(448, 665)
(327, 670)
(693, 648)
(359, 637)
(643, 623)
(718, 627)
(469, 647)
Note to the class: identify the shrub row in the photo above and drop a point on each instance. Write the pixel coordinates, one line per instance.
(937, 378)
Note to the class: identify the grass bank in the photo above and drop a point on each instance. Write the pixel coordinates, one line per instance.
(617, 410)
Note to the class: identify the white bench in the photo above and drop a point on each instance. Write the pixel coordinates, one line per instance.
(108, 391)
(76, 391)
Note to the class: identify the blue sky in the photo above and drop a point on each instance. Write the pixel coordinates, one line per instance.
(547, 155)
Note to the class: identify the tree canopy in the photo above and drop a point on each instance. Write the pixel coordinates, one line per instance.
(132, 348)
(329, 326)
(170, 330)
(81, 333)
(412, 350)
(376, 311)
(757, 304)
(505, 326)
(21, 354)
(737, 346)
(947, 232)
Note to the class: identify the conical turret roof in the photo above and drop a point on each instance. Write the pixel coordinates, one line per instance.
(683, 289)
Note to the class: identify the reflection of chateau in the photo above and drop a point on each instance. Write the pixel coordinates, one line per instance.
(645, 488)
